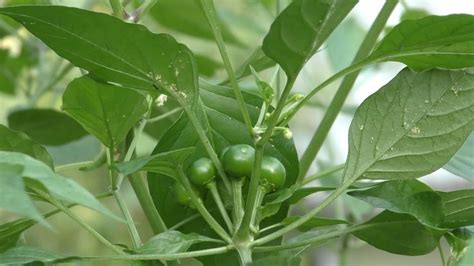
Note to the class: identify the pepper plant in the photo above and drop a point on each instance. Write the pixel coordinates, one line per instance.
(224, 176)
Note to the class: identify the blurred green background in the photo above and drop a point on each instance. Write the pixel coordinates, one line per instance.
(32, 76)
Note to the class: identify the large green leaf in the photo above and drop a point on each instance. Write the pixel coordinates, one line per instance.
(13, 196)
(113, 50)
(458, 208)
(433, 41)
(57, 186)
(412, 126)
(462, 164)
(405, 196)
(23, 255)
(171, 242)
(16, 141)
(46, 126)
(186, 16)
(299, 31)
(106, 111)
(225, 124)
(10, 232)
(400, 234)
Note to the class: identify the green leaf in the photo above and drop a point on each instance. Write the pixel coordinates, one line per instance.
(459, 241)
(313, 223)
(163, 163)
(299, 31)
(281, 258)
(57, 186)
(418, 199)
(171, 242)
(412, 126)
(186, 16)
(462, 163)
(106, 111)
(10, 232)
(46, 126)
(16, 141)
(113, 50)
(23, 254)
(225, 124)
(458, 208)
(207, 66)
(399, 234)
(433, 41)
(13, 196)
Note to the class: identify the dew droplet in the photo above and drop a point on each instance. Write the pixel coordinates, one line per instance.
(361, 127)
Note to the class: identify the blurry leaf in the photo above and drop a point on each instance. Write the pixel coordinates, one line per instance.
(85, 149)
(13, 196)
(459, 241)
(299, 31)
(57, 186)
(258, 60)
(207, 66)
(187, 17)
(106, 111)
(399, 234)
(12, 66)
(418, 199)
(23, 254)
(462, 164)
(458, 208)
(171, 242)
(412, 126)
(314, 222)
(46, 126)
(343, 43)
(16, 141)
(413, 13)
(163, 163)
(279, 258)
(113, 50)
(10, 232)
(433, 41)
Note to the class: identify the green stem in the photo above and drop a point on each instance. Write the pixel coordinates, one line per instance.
(64, 71)
(200, 206)
(110, 162)
(441, 255)
(173, 256)
(117, 8)
(243, 232)
(344, 89)
(165, 115)
(303, 219)
(132, 147)
(143, 10)
(185, 221)
(238, 207)
(260, 195)
(312, 241)
(270, 227)
(217, 198)
(141, 190)
(210, 13)
(326, 173)
(137, 242)
(84, 225)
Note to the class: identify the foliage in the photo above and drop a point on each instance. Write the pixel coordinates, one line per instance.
(122, 82)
